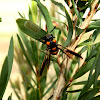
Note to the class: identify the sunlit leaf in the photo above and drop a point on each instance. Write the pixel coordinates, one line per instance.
(94, 25)
(90, 78)
(0, 19)
(89, 94)
(73, 91)
(97, 70)
(64, 93)
(96, 98)
(76, 11)
(30, 28)
(46, 15)
(70, 26)
(85, 68)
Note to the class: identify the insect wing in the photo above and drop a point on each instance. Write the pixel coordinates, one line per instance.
(45, 64)
(31, 29)
(68, 52)
(73, 53)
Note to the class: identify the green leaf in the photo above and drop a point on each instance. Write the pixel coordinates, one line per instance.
(85, 43)
(46, 15)
(85, 68)
(64, 93)
(89, 94)
(90, 78)
(25, 54)
(10, 57)
(26, 87)
(97, 70)
(0, 19)
(95, 34)
(30, 13)
(73, 91)
(10, 97)
(91, 40)
(51, 87)
(28, 47)
(56, 67)
(58, 20)
(35, 53)
(92, 52)
(27, 79)
(38, 94)
(16, 92)
(94, 25)
(6, 69)
(21, 15)
(31, 29)
(76, 11)
(70, 25)
(79, 83)
(3, 77)
(83, 49)
(33, 95)
(34, 11)
(96, 98)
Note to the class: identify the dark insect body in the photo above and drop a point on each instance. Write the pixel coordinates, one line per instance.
(53, 49)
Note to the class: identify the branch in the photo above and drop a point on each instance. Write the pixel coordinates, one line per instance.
(61, 81)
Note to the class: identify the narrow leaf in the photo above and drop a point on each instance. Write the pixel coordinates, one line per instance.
(0, 19)
(97, 70)
(16, 93)
(70, 26)
(51, 87)
(6, 69)
(30, 28)
(89, 94)
(79, 83)
(96, 98)
(27, 79)
(10, 97)
(90, 78)
(85, 68)
(73, 91)
(64, 93)
(76, 11)
(33, 95)
(46, 15)
(25, 54)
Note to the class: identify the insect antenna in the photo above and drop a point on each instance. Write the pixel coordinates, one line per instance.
(52, 29)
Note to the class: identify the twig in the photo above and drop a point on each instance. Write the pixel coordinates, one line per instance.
(61, 80)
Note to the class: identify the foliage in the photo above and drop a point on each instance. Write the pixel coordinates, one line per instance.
(6, 70)
(32, 52)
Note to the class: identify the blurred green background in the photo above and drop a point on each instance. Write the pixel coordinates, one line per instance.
(9, 13)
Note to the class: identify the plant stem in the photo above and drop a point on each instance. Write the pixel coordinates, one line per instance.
(61, 81)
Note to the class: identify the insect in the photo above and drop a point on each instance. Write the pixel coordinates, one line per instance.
(53, 47)
(37, 33)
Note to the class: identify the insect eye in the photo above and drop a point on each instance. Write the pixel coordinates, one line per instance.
(48, 43)
(54, 40)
